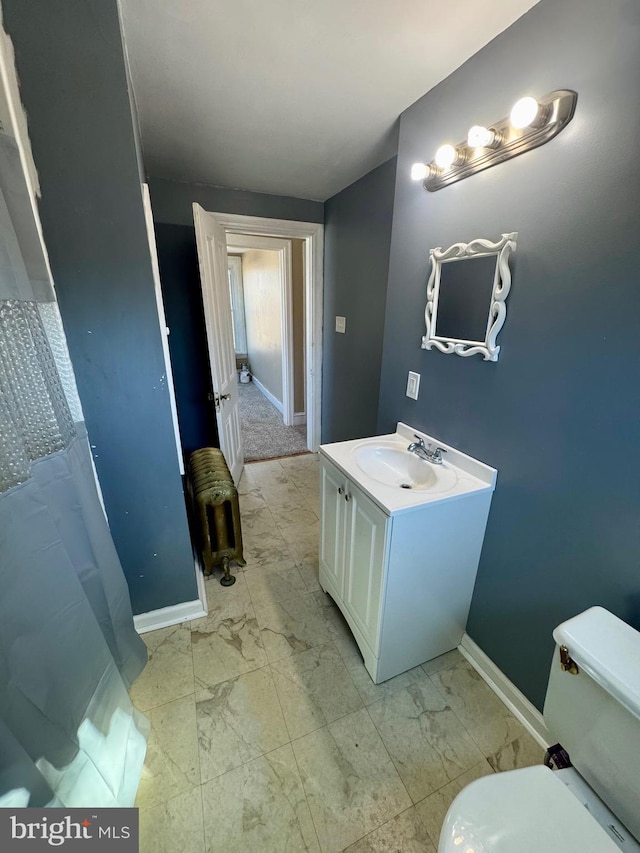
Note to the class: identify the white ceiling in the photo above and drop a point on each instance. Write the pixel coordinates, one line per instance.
(294, 97)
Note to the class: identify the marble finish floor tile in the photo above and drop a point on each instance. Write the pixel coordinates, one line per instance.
(311, 496)
(250, 501)
(524, 751)
(237, 721)
(298, 515)
(314, 689)
(220, 597)
(351, 784)
(273, 583)
(174, 825)
(257, 522)
(291, 626)
(282, 499)
(261, 549)
(405, 833)
(171, 765)
(267, 473)
(433, 809)
(168, 674)
(442, 662)
(368, 690)
(259, 710)
(310, 573)
(302, 540)
(259, 807)
(428, 744)
(227, 642)
(488, 721)
(336, 624)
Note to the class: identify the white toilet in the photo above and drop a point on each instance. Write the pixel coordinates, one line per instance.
(593, 806)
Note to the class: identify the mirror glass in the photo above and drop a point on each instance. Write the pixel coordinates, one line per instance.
(467, 295)
(464, 298)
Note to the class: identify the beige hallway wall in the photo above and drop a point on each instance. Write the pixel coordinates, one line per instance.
(263, 317)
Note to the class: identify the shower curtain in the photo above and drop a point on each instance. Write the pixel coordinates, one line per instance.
(69, 735)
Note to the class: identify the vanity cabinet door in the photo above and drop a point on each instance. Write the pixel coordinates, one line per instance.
(332, 514)
(365, 553)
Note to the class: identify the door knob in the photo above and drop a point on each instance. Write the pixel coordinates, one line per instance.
(347, 497)
(218, 398)
(341, 490)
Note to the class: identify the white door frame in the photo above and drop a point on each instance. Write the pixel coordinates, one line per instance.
(283, 248)
(313, 235)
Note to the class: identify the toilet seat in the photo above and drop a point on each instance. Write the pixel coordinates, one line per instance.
(521, 811)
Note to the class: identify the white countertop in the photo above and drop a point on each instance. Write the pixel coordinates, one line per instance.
(471, 475)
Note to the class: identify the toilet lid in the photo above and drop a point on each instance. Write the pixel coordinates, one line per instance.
(528, 811)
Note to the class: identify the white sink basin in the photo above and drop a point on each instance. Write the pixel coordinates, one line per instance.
(392, 465)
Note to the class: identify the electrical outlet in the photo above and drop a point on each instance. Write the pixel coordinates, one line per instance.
(341, 324)
(413, 385)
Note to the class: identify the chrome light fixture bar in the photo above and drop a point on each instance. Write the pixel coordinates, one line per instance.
(532, 122)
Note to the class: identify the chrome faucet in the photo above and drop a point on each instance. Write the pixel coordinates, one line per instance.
(429, 453)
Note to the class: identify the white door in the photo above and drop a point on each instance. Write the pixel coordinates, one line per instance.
(212, 257)
(365, 537)
(332, 491)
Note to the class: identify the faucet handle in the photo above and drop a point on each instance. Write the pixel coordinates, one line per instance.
(439, 451)
(420, 440)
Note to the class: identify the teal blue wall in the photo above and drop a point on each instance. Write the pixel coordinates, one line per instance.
(357, 237)
(71, 66)
(558, 415)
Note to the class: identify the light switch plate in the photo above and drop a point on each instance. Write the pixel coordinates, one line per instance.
(341, 324)
(413, 385)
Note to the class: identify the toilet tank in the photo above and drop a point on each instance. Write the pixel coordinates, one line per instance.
(595, 714)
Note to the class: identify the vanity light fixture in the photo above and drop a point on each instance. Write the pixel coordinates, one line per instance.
(483, 137)
(527, 112)
(532, 122)
(419, 171)
(448, 156)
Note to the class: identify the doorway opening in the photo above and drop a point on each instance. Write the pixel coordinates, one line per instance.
(266, 288)
(215, 234)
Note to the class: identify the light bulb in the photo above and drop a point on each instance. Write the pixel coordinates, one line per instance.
(525, 112)
(446, 156)
(480, 137)
(419, 171)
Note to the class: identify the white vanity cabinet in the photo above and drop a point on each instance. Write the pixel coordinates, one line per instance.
(353, 546)
(402, 576)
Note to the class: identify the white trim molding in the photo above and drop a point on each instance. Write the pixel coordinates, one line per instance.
(506, 691)
(273, 400)
(164, 329)
(313, 235)
(166, 616)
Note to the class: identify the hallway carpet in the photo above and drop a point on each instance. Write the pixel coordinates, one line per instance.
(263, 433)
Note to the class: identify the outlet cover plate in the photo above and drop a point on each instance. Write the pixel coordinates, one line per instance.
(341, 324)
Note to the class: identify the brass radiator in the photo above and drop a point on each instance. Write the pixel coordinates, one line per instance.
(214, 499)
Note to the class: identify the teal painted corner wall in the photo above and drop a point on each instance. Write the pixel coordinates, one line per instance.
(73, 83)
(357, 238)
(558, 414)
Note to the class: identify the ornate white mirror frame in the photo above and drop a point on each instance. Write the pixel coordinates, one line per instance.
(497, 310)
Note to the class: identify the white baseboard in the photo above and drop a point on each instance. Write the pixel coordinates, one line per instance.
(166, 616)
(268, 395)
(202, 588)
(506, 691)
(299, 418)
